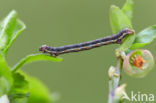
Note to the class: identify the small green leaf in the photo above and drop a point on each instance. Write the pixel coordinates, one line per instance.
(6, 79)
(144, 37)
(39, 93)
(33, 58)
(120, 21)
(20, 85)
(27, 86)
(128, 9)
(10, 28)
(20, 89)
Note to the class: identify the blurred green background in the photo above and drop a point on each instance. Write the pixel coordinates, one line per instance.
(80, 77)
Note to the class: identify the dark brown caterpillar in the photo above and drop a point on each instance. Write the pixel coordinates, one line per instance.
(114, 39)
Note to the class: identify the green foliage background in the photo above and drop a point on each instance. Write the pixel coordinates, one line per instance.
(80, 77)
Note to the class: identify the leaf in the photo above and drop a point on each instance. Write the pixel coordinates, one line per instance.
(5, 77)
(20, 89)
(10, 28)
(19, 100)
(33, 58)
(128, 9)
(144, 37)
(39, 93)
(20, 85)
(27, 86)
(120, 21)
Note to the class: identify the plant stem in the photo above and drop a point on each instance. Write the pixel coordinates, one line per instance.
(114, 78)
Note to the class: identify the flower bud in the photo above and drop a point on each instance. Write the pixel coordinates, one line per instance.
(119, 90)
(111, 72)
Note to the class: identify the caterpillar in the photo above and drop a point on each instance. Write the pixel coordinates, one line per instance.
(114, 39)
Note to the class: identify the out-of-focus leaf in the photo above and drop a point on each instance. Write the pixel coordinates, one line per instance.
(34, 58)
(120, 21)
(10, 28)
(128, 9)
(19, 100)
(144, 37)
(20, 89)
(38, 92)
(5, 77)
(20, 85)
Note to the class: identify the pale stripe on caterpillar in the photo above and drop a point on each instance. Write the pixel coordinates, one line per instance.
(114, 39)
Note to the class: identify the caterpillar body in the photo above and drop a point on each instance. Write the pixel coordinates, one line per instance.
(114, 39)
